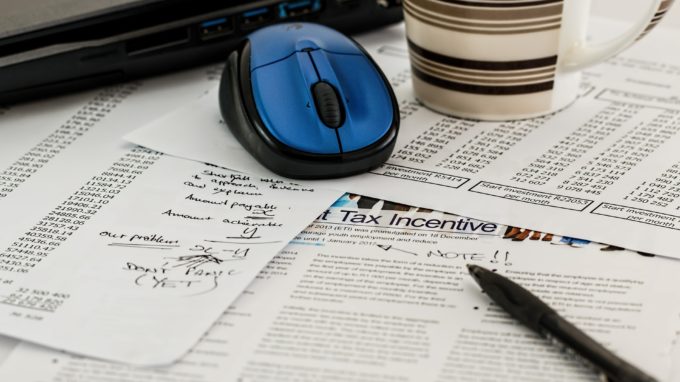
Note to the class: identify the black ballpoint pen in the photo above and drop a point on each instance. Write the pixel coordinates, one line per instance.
(538, 316)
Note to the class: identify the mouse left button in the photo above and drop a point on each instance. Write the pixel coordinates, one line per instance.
(286, 107)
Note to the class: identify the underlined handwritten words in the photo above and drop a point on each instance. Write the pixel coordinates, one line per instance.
(498, 257)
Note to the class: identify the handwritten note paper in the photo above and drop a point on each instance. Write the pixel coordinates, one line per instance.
(104, 246)
(149, 274)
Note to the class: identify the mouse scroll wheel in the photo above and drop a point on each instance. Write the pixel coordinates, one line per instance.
(328, 104)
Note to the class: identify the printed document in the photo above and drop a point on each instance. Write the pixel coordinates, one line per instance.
(377, 291)
(606, 168)
(118, 252)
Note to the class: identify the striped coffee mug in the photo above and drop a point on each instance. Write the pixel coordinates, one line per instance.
(506, 59)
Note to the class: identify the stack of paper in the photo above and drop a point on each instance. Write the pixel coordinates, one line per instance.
(121, 258)
(357, 301)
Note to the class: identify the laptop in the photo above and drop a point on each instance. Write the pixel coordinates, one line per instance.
(55, 46)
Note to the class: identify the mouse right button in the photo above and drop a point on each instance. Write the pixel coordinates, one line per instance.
(368, 101)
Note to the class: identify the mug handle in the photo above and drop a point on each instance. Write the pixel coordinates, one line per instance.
(585, 54)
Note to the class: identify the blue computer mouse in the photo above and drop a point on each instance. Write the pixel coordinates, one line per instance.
(308, 102)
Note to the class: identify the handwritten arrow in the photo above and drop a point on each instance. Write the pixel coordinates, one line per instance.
(389, 247)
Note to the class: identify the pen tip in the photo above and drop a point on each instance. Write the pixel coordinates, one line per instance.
(475, 271)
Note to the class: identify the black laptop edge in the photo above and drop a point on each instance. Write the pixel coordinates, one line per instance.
(158, 37)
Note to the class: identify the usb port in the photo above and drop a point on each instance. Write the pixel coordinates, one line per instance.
(257, 16)
(298, 8)
(210, 29)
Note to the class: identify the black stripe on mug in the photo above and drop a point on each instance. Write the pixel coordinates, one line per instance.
(483, 65)
(482, 89)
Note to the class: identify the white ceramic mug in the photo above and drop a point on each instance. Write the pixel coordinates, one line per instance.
(507, 59)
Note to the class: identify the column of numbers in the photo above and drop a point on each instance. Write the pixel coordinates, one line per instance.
(487, 146)
(627, 152)
(431, 141)
(75, 127)
(576, 144)
(66, 218)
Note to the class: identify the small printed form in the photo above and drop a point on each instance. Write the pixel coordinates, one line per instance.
(607, 168)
